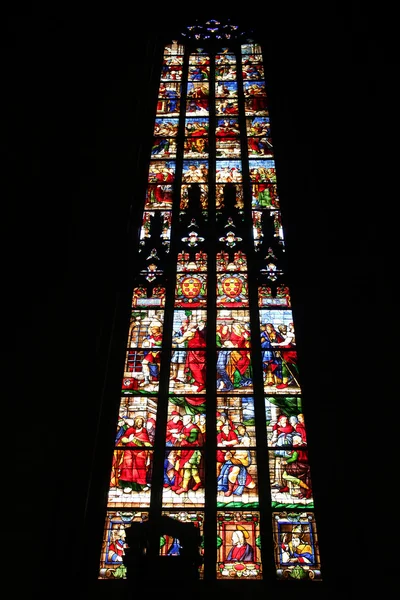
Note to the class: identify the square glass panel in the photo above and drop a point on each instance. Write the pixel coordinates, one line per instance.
(162, 171)
(192, 367)
(183, 477)
(232, 290)
(195, 171)
(235, 421)
(296, 546)
(131, 474)
(132, 409)
(228, 171)
(227, 107)
(234, 370)
(114, 542)
(171, 544)
(238, 545)
(237, 481)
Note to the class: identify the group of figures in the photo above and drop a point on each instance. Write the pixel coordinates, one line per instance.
(289, 465)
(236, 545)
(296, 547)
(233, 366)
(183, 472)
(234, 459)
(188, 360)
(279, 356)
(183, 465)
(168, 100)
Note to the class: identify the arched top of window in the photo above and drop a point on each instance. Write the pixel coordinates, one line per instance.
(213, 29)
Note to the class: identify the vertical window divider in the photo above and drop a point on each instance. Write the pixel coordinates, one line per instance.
(253, 266)
(170, 279)
(210, 536)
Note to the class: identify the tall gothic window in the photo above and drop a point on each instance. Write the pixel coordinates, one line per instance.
(211, 429)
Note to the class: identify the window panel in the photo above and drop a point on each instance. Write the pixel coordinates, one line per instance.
(238, 545)
(162, 171)
(170, 545)
(166, 127)
(160, 196)
(204, 199)
(114, 542)
(296, 547)
(193, 379)
(171, 72)
(131, 410)
(237, 477)
(142, 369)
(226, 89)
(228, 171)
(255, 98)
(237, 414)
(290, 475)
(232, 290)
(131, 474)
(183, 477)
(227, 107)
(191, 290)
(252, 71)
(195, 171)
(234, 370)
(163, 147)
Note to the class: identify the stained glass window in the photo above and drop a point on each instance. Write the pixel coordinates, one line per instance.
(211, 412)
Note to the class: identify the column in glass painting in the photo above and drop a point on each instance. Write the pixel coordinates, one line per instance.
(236, 470)
(184, 476)
(294, 530)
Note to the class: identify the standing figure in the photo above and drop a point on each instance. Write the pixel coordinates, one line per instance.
(297, 469)
(238, 367)
(174, 427)
(288, 356)
(134, 464)
(151, 429)
(272, 365)
(151, 358)
(301, 428)
(224, 382)
(188, 459)
(172, 96)
(195, 367)
(178, 357)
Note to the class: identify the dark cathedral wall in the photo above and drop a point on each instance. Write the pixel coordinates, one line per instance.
(75, 144)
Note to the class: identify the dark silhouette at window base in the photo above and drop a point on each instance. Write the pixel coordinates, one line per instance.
(143, 562)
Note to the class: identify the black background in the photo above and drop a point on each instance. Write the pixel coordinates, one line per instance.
(73, 137)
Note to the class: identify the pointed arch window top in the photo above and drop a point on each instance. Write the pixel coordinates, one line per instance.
(213, 30)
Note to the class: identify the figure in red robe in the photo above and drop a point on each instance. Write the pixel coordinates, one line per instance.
(134, 464)
(196, 357)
